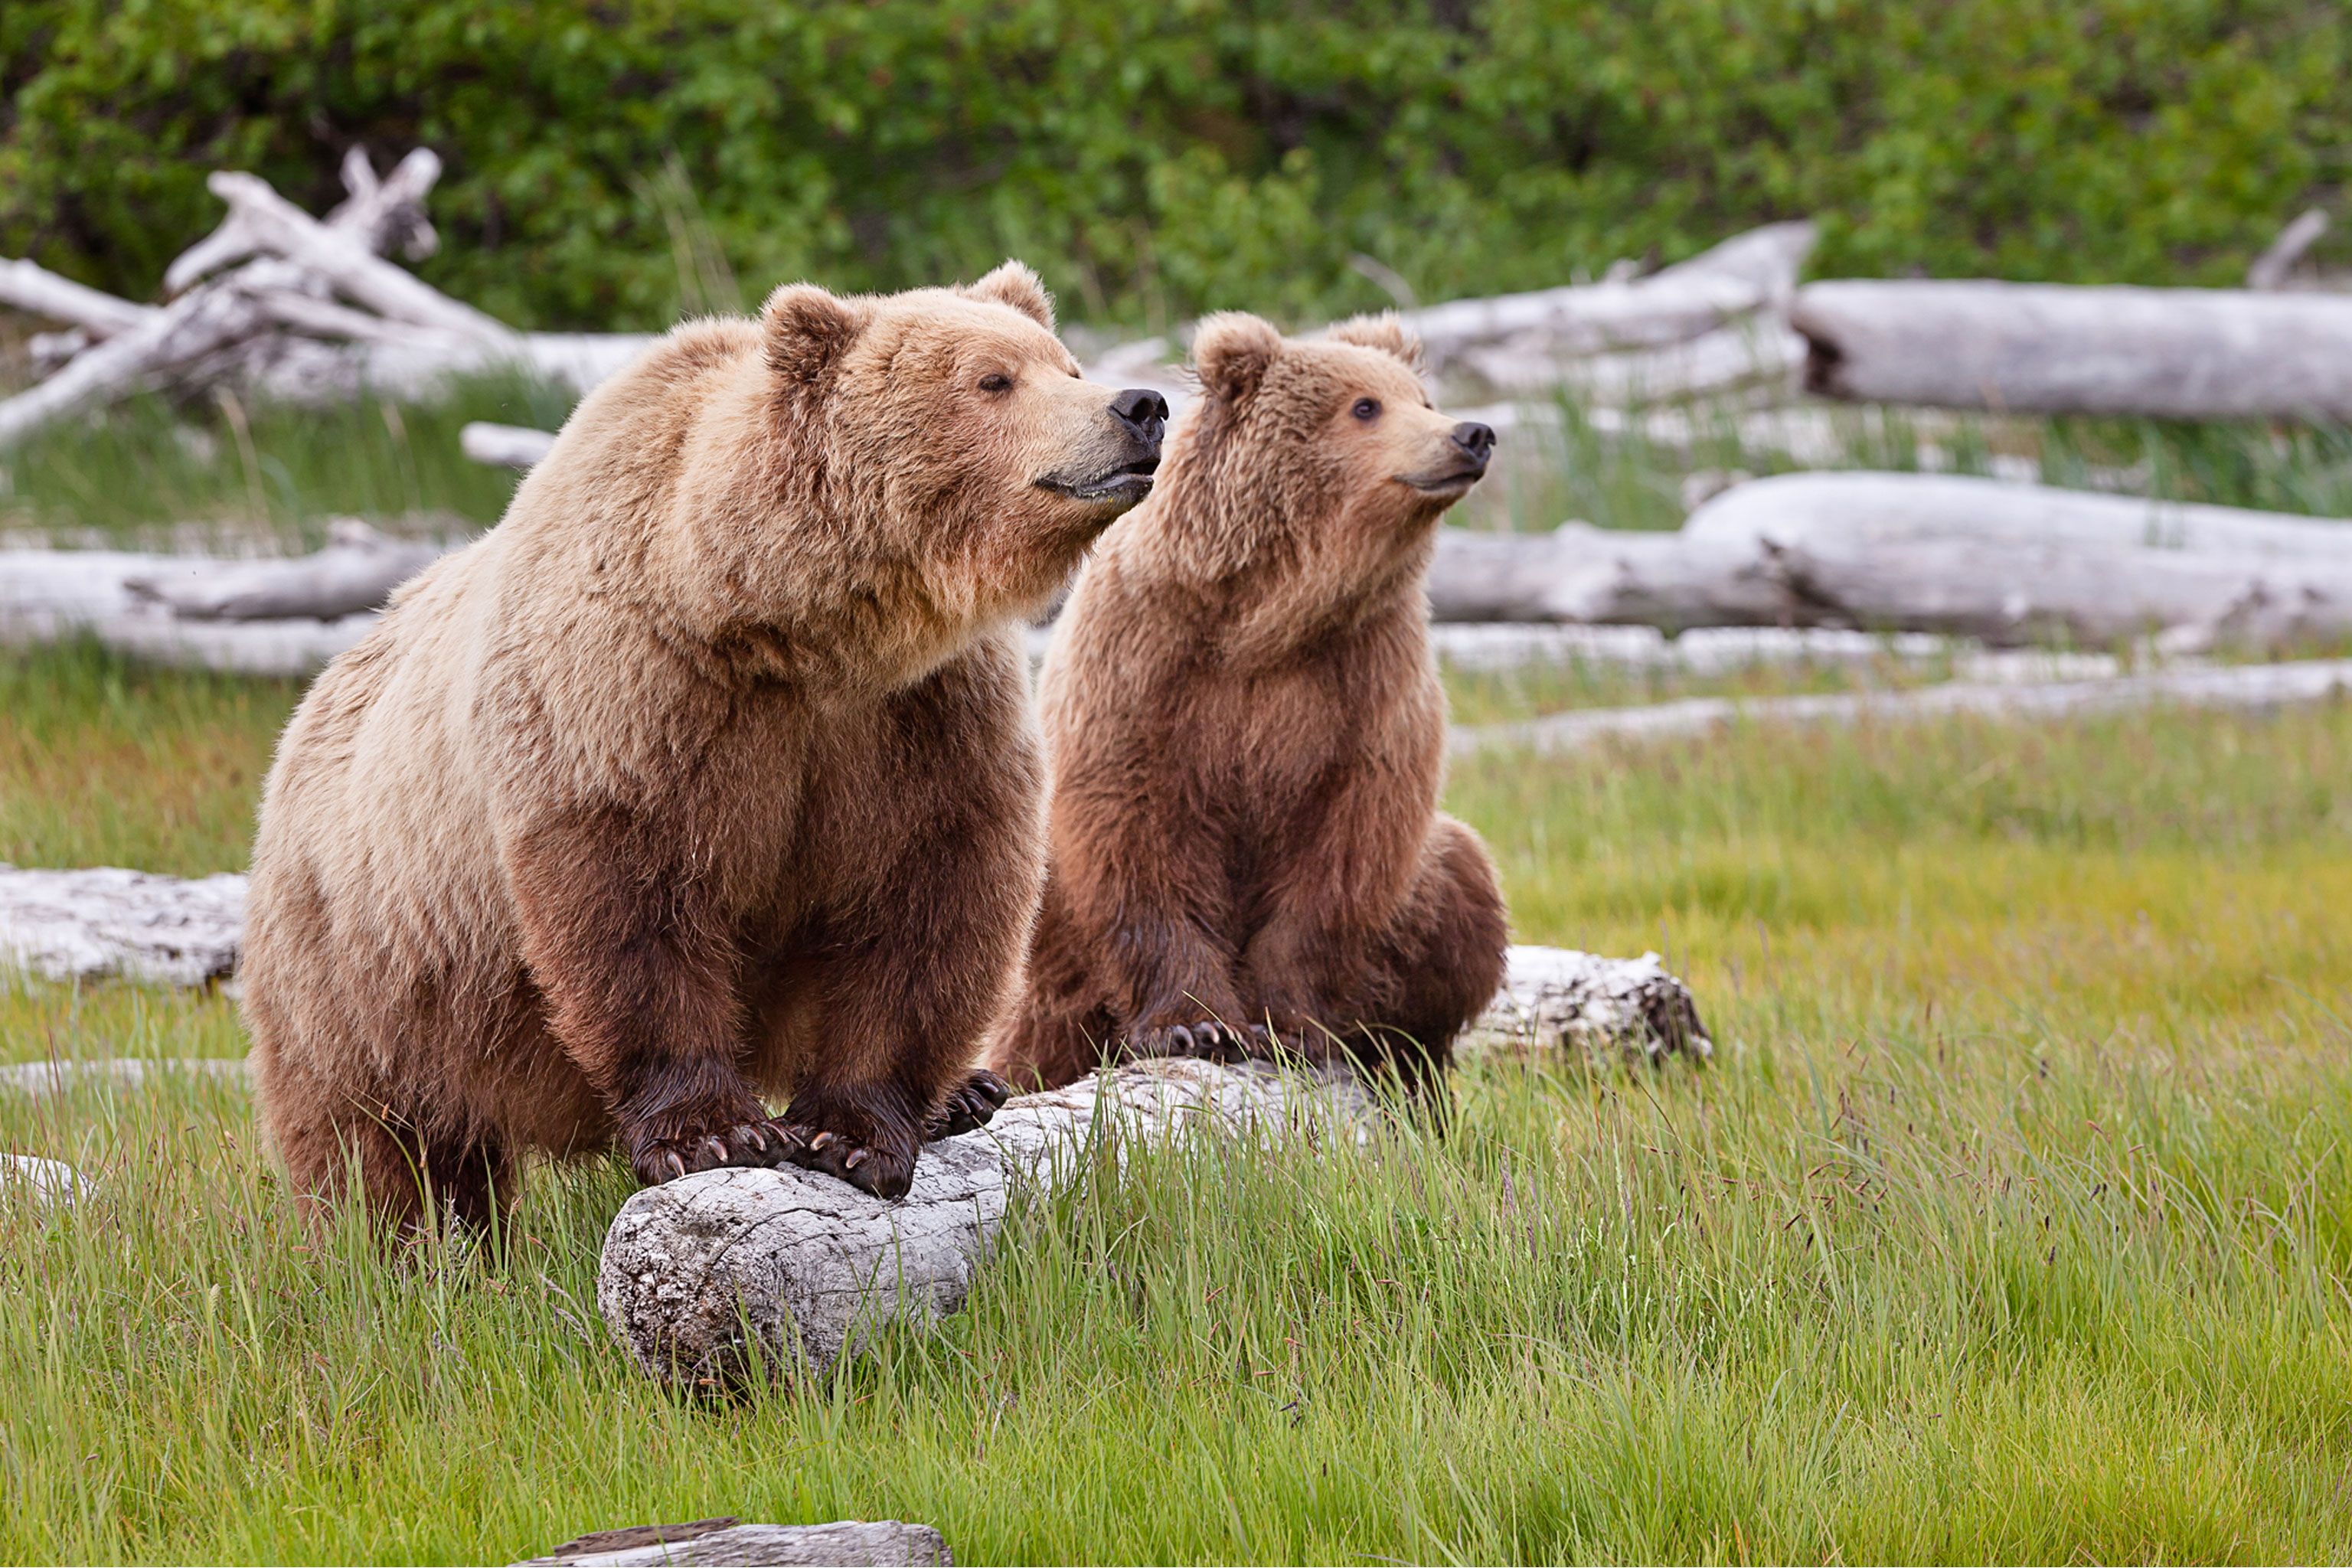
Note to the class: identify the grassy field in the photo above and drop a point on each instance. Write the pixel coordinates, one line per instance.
(2010, 1222)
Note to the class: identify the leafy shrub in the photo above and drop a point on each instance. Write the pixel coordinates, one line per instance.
(609, 163)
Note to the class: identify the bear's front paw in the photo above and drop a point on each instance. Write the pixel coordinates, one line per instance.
(971, 1103)
(882, 1166)
(746, 1145)
(1210, 1040)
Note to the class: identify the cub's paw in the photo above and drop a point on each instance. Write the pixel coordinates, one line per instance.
(880, 1165)
(971, 1103)
(1210, 1040)
(747, 1143)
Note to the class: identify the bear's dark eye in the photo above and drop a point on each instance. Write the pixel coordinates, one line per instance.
(1366, 408)
(995, 383)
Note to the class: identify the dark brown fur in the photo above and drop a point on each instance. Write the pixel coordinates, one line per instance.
(708, 775)
(1247, 738)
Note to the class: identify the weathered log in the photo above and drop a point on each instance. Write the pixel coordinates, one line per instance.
(378, 214)
(42, 1080)
(43, 1184)
(2246, 687)
(83, 924)
(2047, 348)
(133, 358)
(2271, 268)
(26, 287)
(269, 221)
(885, 1544)
(1758, 350)
(505, 446)
(1749, 272)
(2004, 563)
(356, 572)
(813, 1268)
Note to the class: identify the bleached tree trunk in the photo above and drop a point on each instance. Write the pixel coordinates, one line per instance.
(1749, 272)
(2046, 348)
(813, 1268)
(356, 572)
(2004, 563)
(2244, 688)
(38, 291)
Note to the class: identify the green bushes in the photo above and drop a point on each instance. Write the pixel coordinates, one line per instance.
(609, 163)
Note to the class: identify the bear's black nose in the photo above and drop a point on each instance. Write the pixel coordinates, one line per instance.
(1477, 439)
(1143, 411)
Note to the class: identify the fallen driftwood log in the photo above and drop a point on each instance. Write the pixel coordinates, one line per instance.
(2246, 687)
(886, 1543)
(505, 446)
(356, 572)
(306, 311)
(2007, 563)
(1749, 273)
(728, 1275)
(1715, 320)
(84, 924)
(2047, 348)
(257, 617)
(2274, 267)
(42, 1080)
(44, 1184)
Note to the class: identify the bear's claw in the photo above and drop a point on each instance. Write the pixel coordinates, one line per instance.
(868, 1169)
(971, 1103)
(749, 1144)
(1210, 1040)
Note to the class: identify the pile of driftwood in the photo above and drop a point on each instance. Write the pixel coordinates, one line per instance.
(277, 304)
(2006, 563)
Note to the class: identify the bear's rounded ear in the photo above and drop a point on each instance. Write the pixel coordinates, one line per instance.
(1014, 284)
(808, 331)
(1232, 352)
(1383, 332)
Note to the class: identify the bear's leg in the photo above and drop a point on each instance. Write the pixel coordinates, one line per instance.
(888, 1065)
(1057, 1027)
(476, 1180)
(326, 1139)
(639, 979)
(1441, 961)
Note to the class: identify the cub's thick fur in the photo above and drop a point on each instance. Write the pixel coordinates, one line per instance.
(1247, 734)
(707, 773)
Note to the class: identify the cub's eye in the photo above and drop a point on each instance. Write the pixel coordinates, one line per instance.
(1366, 408)
(994, 382)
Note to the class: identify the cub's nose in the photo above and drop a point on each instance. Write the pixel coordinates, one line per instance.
(1477, 441)
(1143, 411)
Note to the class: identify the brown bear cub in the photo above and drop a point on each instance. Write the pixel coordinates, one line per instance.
(1247, 737)
(708, 773)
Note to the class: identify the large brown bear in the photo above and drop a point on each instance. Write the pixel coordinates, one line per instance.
(1247, 735)
(709, 773)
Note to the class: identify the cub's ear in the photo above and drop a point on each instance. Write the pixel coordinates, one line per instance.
(1383, 332)
(808, 331)
(1014, 284)
(1232, 352)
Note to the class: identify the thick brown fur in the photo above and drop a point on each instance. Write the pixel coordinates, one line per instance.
(1247, 735)
(707, 774)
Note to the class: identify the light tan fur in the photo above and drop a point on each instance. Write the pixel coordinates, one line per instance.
(707, 773)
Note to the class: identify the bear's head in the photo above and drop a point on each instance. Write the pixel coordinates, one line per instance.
(948, 437)
(1321, 454)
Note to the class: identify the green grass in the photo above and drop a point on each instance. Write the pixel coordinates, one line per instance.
(2012, 1221)
(150, 470)
(106, 761)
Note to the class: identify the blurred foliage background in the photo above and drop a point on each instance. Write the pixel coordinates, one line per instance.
(611, 164)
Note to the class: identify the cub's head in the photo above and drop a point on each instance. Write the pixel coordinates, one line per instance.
(1326, 452)
(954, 427)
